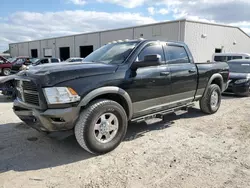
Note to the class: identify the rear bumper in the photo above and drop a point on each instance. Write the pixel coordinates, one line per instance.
(50, 120)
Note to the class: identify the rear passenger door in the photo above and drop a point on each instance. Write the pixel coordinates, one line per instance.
(183, 74)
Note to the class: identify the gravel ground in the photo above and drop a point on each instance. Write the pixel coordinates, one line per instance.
(187, 150)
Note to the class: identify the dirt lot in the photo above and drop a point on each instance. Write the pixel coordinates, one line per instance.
(188, 150)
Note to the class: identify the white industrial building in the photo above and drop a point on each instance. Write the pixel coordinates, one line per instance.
(203, 39)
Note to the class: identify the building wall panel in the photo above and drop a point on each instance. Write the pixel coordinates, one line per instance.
(34, 45)
(13, 50)
(65, 42)
(23, 49)
(203, 39)
(165, 31)
(48, 44)
(110, 36)
(86, 40)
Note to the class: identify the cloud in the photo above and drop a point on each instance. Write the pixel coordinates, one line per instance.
(226, 11)
(151, 10)
(126, 4)
(78, 2)
(163, 11)
(25, 26)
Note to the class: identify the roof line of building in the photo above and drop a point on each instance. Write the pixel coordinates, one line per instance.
(216, 24)
(131, 27)
(102, 31)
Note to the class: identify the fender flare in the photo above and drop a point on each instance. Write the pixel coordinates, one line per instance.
(214, 76)
(108, 90)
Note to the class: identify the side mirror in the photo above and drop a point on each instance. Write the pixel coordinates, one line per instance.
(149, 60)
(152, 58)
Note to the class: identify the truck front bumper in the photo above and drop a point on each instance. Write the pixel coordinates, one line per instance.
(50, 120)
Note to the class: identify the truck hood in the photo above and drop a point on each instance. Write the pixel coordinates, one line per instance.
(54, 73)
(7, 78)
(237, 76)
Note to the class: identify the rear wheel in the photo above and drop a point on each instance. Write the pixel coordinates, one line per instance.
(101, 126)
(6, 72)
(210, 102)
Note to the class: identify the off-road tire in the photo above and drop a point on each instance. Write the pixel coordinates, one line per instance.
(84, 129)
(205, 101)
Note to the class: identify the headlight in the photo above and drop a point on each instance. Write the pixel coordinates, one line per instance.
(60, 95)
(241, 81)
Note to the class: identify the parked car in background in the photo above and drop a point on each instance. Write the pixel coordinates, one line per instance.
(5, 66)
(45, 61)
(18, 62)
(239, 77)
(75, 59)
(120, 82)
(224, 57)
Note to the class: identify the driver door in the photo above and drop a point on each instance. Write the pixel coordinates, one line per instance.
(150, 87)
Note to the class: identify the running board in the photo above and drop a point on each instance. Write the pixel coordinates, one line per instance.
(160, 114)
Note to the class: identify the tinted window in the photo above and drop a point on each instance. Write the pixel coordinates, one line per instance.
(43, 61)
(12, 59)
(54, 60)
(236, 57)
(239, 67)
(20, 61)
(75, 60)
(220, 58)
(152, 49)
(247, 57)
(177, 54)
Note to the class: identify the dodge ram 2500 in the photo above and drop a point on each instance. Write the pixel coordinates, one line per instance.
(120, 82)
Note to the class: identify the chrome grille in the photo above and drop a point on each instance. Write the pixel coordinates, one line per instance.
(27, 92)
(27, 85)
(31, 98)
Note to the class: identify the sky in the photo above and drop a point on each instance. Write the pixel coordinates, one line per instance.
(31, 20)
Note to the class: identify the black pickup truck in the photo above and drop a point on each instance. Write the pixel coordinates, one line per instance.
(120, 82)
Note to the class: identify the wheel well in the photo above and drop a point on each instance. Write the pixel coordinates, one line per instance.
(218, 82)
(114, 97)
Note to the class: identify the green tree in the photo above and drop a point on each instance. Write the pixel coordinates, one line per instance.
(6, 52)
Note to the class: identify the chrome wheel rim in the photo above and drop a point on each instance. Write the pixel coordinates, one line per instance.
(6, 72)
(106, 127)
(214, 99)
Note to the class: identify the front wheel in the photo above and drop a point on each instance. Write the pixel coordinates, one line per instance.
(210, 102)
(6, 72)
(101, 126)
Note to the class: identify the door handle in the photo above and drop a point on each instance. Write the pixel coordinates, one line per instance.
(192, 71)
(164, 73)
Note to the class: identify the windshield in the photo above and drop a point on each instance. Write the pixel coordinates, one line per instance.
(68, 60)
(74, 60)
(112, 53)
(12, 59)
(239, 67)
(34, 60)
